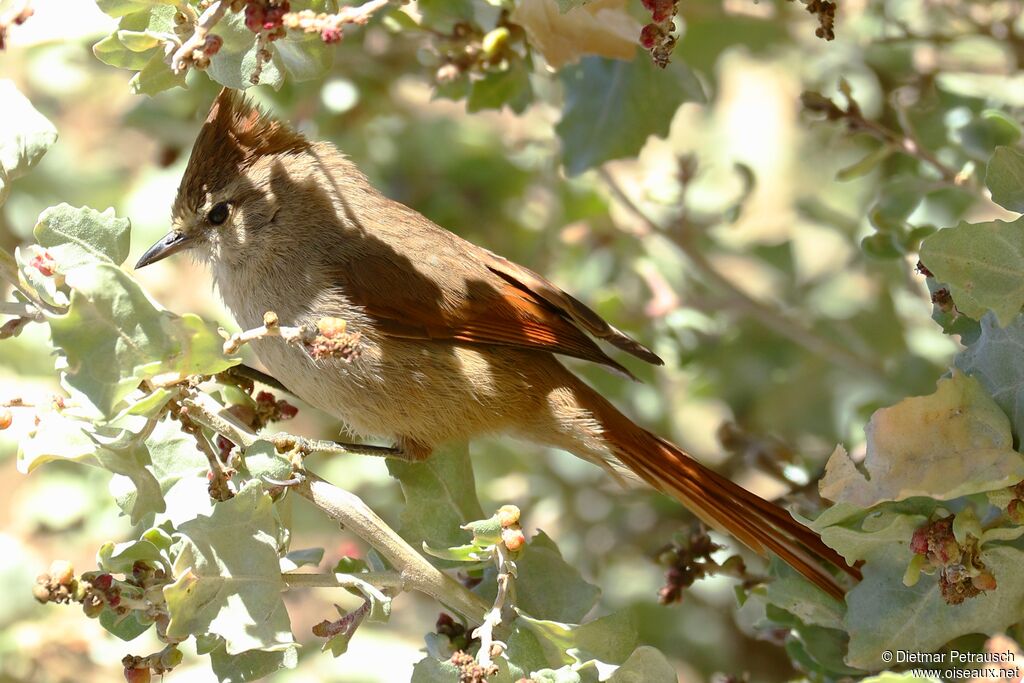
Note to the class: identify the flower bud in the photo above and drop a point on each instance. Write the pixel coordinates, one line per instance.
(514, 539)
(508, 515)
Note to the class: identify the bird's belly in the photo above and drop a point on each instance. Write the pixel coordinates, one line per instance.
(429, 392)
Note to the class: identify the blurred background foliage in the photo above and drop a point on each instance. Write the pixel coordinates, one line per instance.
(781, 331)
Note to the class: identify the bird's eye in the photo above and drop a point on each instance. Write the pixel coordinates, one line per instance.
(218, 214)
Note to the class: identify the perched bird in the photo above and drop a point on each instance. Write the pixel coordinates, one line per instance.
(456, 341)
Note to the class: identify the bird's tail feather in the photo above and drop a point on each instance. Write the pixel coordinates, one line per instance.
(724, 505)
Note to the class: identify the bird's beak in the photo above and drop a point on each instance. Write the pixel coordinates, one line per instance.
(171, 243)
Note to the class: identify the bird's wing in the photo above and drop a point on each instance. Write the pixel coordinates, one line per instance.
(428, 283)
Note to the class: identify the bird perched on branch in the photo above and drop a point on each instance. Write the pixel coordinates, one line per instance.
(456, 341)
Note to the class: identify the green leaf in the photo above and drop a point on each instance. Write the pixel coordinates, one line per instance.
(25, 135)
(865, 165)
(113, 336)
(132, 461)
(263, 460)
(983, 264)
(550, 588)
(608, 639)
(869, 533)
(883, 614)
(440, 496)
(126, 627)
(301, 558)
(172, 456)
(565, 674)
(497, 89)
(987, 131)
(994, 359)
(792, 593)
(119, 558)
(952, 443)
(612, 107)
(1005, 178)
(251, 665)
(228, 576)
(430, 670)
(948, 317)
(305, 57)
(56, 437)
(235, 62)
(155, 77)
(645, 665)
(119, 8)
(80, 236)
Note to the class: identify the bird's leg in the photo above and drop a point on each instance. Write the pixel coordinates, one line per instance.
(410, 450)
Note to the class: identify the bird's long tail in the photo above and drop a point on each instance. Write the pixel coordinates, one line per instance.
(759, 524)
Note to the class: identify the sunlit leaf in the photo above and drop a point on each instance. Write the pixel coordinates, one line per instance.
(952, 443)
(565, 34)
(252, 665)
(983, 264)
(228, 577)
(440, 496)
(25, 135)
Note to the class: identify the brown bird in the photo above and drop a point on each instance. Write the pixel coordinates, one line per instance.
(456, 342)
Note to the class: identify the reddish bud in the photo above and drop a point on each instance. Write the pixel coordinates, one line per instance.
(62, 572)
(254, 17)
(134, 675)
(984, 581)
(649, 36)
(287, 410)
(44, 263)
(103, 582)
(514, 539)
(331, 34)
(919, 541)
(213, 44)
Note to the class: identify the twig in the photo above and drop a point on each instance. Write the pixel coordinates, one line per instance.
(330, 26)
(21, 309)
(207, 411)
(185, 55)
(220, 474)
(775, 320)
(387, 581)
(902, 141)
(416, 572)
(493, 618)
(327, 338)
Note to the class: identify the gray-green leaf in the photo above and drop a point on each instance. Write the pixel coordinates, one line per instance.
(613, 106)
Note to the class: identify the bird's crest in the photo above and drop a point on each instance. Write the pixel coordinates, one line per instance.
(236, 134)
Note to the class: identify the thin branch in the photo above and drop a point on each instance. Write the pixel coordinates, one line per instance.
(494, 616)
(21, 309)
(416, 572)
(772, 318)
(185, 55)
(388, 581)
(209, 412)
(902, 141)
(329, 337)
